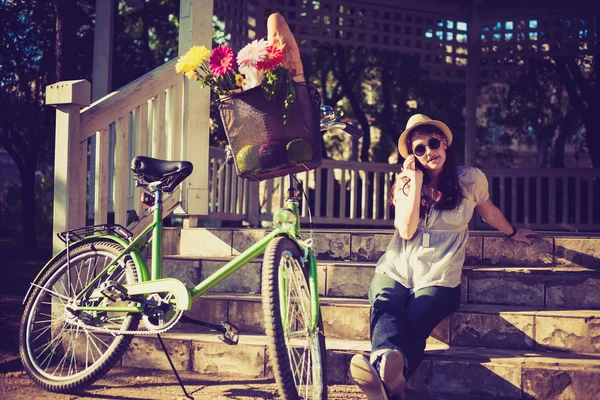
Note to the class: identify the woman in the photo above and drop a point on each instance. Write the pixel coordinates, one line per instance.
(417, 280)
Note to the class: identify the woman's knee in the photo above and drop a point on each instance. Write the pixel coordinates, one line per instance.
(385, 291)
(426, 310)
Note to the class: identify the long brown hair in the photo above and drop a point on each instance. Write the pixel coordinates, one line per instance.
(448, 184)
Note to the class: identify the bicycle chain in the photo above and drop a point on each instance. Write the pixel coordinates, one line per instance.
(115, 332)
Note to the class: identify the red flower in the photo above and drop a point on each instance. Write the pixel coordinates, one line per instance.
(273, 59)
(221, 60)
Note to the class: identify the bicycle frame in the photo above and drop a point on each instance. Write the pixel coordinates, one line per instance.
(152, 281)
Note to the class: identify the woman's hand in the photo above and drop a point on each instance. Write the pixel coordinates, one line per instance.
(523, 235)
(410, 164)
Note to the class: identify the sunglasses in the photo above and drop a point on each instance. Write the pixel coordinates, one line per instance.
(433, 144)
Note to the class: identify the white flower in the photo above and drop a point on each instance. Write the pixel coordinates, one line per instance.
(253, 77)
(253, 53)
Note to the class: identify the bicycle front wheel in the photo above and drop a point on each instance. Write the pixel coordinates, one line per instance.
(296, 347)
(63, 350)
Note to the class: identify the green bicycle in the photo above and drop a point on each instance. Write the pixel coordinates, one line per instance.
(87, 302)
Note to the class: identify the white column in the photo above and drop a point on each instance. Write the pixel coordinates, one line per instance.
(70, 157)
(101, 79)
(473, 70)
(195, 28)
(103, 48)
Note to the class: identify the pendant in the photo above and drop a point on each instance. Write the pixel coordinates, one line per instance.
(426, 240)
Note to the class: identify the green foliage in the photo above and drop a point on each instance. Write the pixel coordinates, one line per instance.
(279, 84)
(535, 110)
(146, 36)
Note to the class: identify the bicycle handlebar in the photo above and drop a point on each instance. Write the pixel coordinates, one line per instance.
(346, 127)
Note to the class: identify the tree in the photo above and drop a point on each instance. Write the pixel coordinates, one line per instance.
(580, 77)
(536, 110)
(27, 65)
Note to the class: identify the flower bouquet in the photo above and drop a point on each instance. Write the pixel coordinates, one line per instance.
(269, 114)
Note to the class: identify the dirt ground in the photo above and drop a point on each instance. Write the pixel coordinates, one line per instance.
(124, 384)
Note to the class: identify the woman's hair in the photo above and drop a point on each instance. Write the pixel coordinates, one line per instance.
(448, 183)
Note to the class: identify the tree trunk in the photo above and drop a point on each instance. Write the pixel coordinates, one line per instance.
(387, 117)
(558, 157)
(65, 49)
(28, 210)
(592, 139)
(354, 103)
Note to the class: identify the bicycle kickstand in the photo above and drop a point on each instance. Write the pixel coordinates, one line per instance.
(173, 367)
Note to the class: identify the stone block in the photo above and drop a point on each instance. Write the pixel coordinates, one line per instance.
(346, 322)
(209, 310)
(338, 368)
(204, 242)
(507, 291)
(348, 281)
(420, 378)
(368, 247)
(171, 240)
(322, 278)
(245, 280)
(215, 358)
(474, 250)
(578, 252)
(561, 383)
(244, 238)
(247, 316)
(464, 289)
(503, 252)
(146, 352)
(187, 271)
(441, 333)
(573, 293)
(504, 330)
(566, 333)
(475, 379)
(332, 246)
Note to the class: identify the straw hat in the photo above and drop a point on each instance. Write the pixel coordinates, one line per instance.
(417, 120)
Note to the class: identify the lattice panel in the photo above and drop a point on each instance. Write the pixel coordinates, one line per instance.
(438, 36)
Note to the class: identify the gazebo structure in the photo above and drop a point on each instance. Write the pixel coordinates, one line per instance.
(527, 328)
(470, 41)
(475, 42)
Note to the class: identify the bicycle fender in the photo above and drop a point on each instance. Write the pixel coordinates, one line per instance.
(139, 263)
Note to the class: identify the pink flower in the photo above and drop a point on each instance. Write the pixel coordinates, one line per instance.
(221, 60)
(253, 53)
(273, 59)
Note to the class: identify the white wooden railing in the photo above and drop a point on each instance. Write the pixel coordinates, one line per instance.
(552, 199)
(143, 118)
(146, 117)
(354, 194)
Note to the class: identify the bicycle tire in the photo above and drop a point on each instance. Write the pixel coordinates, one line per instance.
(48, 338)
(288, 312)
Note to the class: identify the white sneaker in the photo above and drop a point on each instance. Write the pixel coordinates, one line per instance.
(367, 378)
(391, 371)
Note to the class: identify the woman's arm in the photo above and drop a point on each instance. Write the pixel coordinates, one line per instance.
(493, 216)
(407, 200)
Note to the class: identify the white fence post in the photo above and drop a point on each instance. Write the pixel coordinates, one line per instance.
(70, 157)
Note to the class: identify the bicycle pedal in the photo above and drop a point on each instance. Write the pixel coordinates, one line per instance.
(113, 290)
(231, 336)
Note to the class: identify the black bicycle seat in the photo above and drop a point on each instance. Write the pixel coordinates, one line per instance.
(170, 173)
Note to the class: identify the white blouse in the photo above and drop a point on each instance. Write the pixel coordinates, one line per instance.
(436, 253)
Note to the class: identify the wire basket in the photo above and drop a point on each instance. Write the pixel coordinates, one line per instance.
(265, 147)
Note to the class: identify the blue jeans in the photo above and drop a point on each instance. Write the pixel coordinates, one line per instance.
(404, 321)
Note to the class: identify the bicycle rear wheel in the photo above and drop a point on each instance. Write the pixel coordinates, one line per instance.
(58, 349)
(296, 349)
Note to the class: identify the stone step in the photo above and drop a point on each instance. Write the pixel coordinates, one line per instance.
(472, 372)
(474, 325)
(483, 248)
(568, 287)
